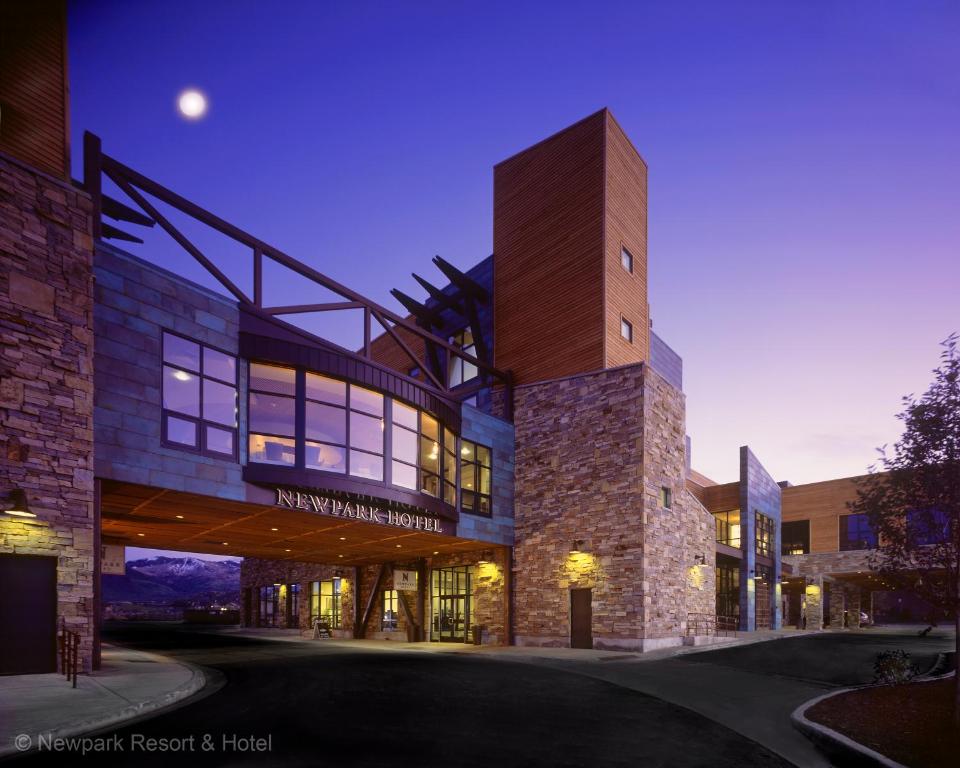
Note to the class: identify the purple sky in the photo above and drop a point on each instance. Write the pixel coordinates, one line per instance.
(804, 205)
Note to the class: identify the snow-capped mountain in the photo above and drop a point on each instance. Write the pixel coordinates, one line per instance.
(175, 580)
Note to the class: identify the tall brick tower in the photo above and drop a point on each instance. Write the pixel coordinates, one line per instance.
(570, 254)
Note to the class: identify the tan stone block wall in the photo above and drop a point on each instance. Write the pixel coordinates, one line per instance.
(592, 455)
(46, 381)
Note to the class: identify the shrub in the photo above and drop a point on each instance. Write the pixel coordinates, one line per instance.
(893, 667)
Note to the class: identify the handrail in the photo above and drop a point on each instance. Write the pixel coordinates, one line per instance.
(69, 648)
(136, 186)
(706, 624)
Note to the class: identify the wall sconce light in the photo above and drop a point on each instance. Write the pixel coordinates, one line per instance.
(577, 546)
(699, 560)
(17, 505)
(485, 557)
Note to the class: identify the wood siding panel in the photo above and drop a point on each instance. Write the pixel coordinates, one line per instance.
(33, 87)
(821, 504)
(384, 350)
(548, 255)
(721, 498)
(625, 227)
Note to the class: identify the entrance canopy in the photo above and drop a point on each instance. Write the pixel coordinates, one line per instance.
(144, 516)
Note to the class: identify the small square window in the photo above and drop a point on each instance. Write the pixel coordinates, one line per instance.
(666, 498)
(626, 329)
(626, 260)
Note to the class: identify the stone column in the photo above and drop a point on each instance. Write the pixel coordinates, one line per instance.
(813, 603)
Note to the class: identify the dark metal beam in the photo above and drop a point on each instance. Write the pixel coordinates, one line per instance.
(361, 630)
(299, 309)
(427, 317)
(120, 212)
(403, 345)
(112, 233)
(445, 301)
(461, 280)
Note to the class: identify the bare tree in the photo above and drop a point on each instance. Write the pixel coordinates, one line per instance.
(912, 496)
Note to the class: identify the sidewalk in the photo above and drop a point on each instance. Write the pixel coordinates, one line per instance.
(129, 684)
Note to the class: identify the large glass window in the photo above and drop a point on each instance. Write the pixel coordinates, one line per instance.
(404, 436)
(326, 424)
(475, 478)
(856, 533)
(728, 588)
(429, 455)
(390, 617)
(763, 535)
(199, 397)
(366, 433)
(460, 370)
(449, 467)
(294, 604)
(728, 527)
(272, 417)
(325, 603)
(795, 537)
(928, 526)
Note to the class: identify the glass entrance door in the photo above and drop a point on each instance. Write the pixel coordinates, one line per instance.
(451, 604)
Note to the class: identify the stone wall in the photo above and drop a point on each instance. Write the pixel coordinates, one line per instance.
(488, 589)
(592, 455)
(46, 381)
(135, 302)
(675, 581)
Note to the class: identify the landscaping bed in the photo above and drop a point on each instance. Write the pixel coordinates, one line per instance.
(910, 723)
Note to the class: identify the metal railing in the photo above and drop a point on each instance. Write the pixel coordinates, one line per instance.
(707, 624)
(68, 643)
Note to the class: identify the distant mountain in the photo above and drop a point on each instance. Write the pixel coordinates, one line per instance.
(175, 580)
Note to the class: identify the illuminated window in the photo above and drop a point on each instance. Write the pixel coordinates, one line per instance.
(272, 414)
(366, 433)
(728, 527)
(475, 478)
(795, 537)
(449, 467)
(325, 603)
(429, 455)
(462, 371)
(856, 533)
(626, 260)
(199, 397)
(626, 329)
(389, 619)
(325, 424)
(764, 535)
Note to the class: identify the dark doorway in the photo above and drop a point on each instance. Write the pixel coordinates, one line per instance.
(28, 614)
(581, 618)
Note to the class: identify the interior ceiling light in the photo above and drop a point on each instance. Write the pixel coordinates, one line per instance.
(181, 375)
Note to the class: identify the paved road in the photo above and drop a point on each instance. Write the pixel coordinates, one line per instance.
(333, 705)
(343, 704)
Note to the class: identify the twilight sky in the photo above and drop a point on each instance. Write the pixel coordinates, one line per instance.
(804, 157)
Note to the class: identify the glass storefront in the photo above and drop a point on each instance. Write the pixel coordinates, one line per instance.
(451, 604)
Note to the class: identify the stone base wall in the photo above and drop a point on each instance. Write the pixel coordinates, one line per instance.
(490, 567)
(46, 382)
(593, 455)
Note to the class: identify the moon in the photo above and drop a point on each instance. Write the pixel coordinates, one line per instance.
(192, 104)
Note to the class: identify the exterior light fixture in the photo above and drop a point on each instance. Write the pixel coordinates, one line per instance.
(399, 545)
(141, 534)
(699, 560)
(576, 547)
(179, 517)
(286, 550)
(339, 555)
(274, 529)
(343, 538)
(436, 553)
(17, 505)
(226, 543)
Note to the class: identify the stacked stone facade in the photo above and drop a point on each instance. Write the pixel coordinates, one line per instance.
(46, 382)
(594, 453)
(759, 493)
(488, 588)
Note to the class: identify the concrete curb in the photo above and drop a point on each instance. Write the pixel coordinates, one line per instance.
(834, 744)
(201, 680)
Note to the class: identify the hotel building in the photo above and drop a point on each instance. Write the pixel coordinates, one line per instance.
(503, 461)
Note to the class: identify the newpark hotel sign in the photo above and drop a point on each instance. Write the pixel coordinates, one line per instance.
(356, 510)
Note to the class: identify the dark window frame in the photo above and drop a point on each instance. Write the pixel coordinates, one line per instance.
(390, 601)
(624, 251)
(764, 534)
(666, 497)
(723, 532)
(297, 398)
(458, 339)
(794, 535)
(848, 543)
(624, 323)
(478, 495)
(336, 598)
(268, 594)
(201, 423)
